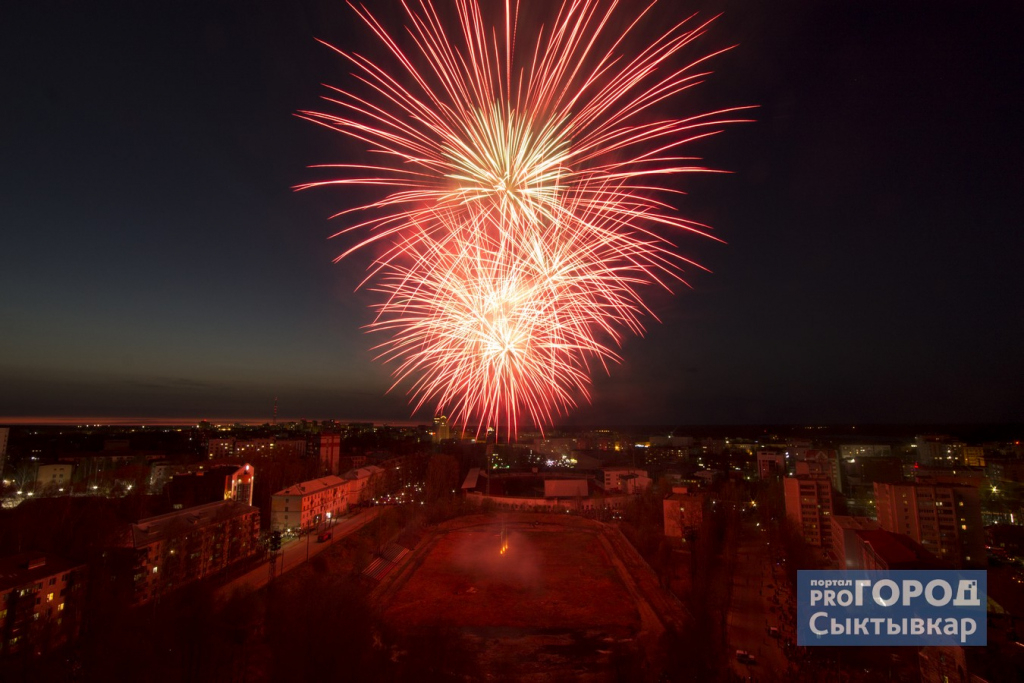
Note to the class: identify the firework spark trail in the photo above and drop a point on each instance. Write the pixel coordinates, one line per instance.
(522, 213)
(514, 325)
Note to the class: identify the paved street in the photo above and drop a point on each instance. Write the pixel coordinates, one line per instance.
(750, 611)
(297, 551)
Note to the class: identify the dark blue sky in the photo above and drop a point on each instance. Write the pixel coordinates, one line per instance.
(156, 262)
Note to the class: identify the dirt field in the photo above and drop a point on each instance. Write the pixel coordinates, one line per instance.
(547, 579)
(554, 606)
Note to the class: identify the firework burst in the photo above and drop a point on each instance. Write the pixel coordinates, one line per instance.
(524, 205)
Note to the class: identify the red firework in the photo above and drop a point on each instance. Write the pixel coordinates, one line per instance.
(523, 213)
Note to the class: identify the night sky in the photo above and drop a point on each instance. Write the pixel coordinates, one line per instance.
(155, 261)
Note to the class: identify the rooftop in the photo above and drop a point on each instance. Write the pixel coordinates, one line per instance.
(852, 522)
(313, 486)
(899, 551)
(566, 488)
(362, 472)
(217, 471)
(471, 478)
(18, 570)
(686, 495)
(157, 528)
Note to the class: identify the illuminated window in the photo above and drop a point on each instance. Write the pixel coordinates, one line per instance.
(60, 607)
(49, 597)
(156, 569)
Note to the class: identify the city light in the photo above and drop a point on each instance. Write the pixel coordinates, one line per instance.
(523, 196)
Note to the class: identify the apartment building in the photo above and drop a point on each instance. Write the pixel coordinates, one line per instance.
(809, 505)
(944, 518)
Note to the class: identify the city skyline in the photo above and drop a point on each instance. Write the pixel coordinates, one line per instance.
(163, 267)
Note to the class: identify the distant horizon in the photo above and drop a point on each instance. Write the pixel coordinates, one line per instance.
(1004, 430)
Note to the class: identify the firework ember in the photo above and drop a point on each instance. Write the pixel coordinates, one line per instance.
(525, 205)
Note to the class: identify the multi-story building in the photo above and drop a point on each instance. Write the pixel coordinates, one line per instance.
(304, 506)
(944, 518)
(624, 479)
(55, 475)
(809, 505)
(845, 546)
(938, 449)
(330, 453)
(41, 600)
(289, 448)
(221, 448)
(771, 464)
(211, 484)
(712, 446)
(683, 511)
(677, 442)
(1008, 469)
(160, 473)
(812, 462)
(852, 451)
(442, 432)
(870, 470)
(361, 483)
(169, 551)
(255, 447)
(239, 484)
(973, 456)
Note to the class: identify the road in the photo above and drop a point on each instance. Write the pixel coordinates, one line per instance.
(297, 551)
(750, 610)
